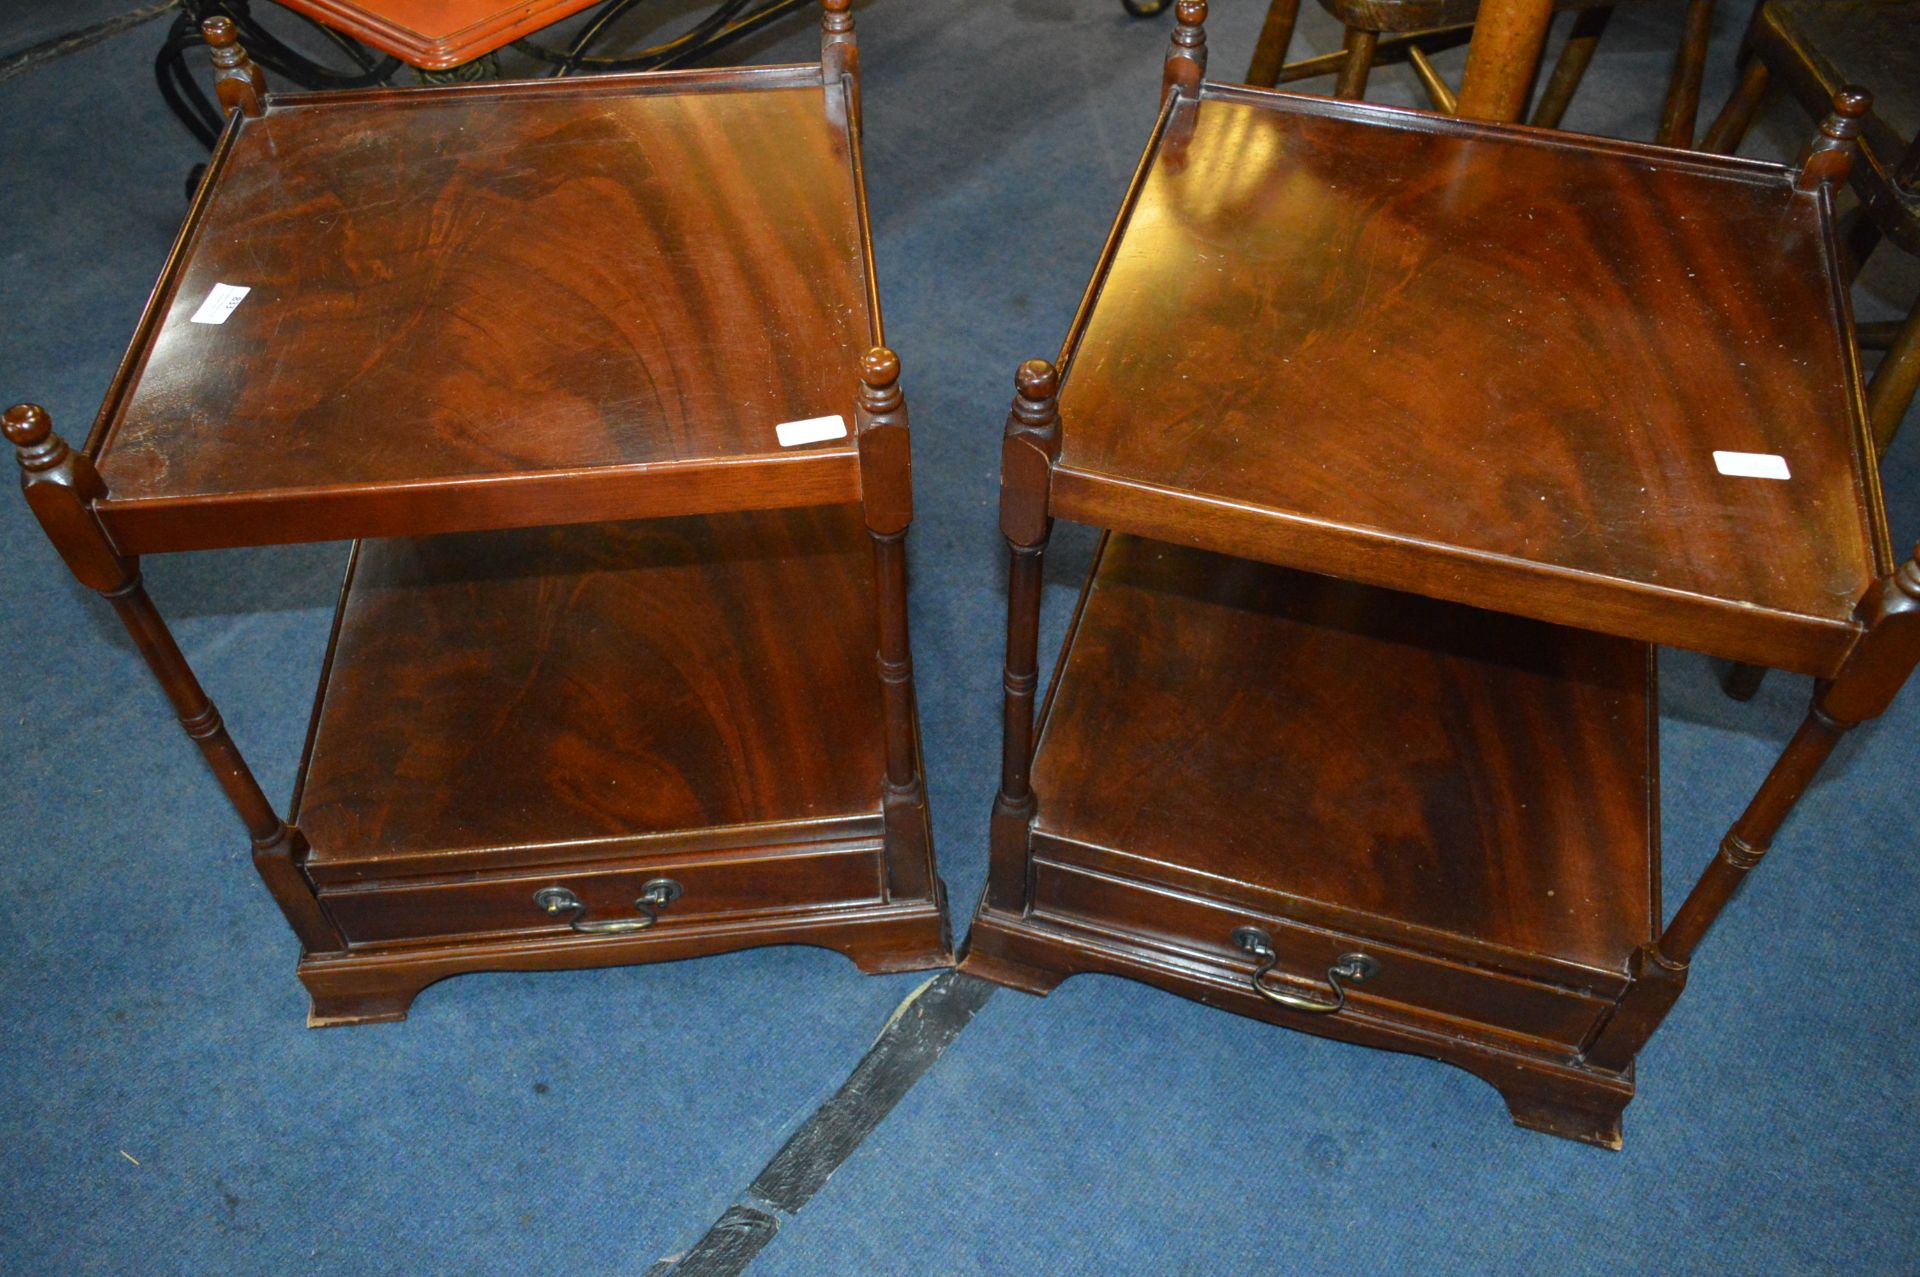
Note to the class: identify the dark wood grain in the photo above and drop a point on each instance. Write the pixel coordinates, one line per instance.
(1352, 749)
(470, 307)
(598, 683)
(728, 884)
(1481, 363)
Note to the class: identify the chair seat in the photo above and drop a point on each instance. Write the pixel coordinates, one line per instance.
(1350, 339)
(1424, 15)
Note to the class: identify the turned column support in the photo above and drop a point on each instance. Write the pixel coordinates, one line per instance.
(1027, 453)
(61, 486)
(886, 498)
(1874, 672)
(1186, 64)
(238, 83)
(840, 54)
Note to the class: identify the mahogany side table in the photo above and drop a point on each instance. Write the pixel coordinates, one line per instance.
(1412, 436)
(605, 407)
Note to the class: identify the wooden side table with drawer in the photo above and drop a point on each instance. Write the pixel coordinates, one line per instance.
(601, 397)
(1412, 437)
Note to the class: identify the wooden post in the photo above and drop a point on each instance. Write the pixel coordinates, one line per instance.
(886, 497)
(1186, 64)
(1027, 453)
(1828, 158)
(1571, 67)
(840, 54)
(1724, 134)
(1875, 670)
(238, 82)
(1891, 390)
(1357, 63)
(1682, 108)
(61, 486)
(1276, 37)
(1500, 62)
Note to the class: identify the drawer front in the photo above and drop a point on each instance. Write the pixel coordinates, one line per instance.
(1203, 929)
(708, 887)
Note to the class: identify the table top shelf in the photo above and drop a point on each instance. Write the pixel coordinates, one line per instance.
(1484, 363)
(502, 305)
(1466, 782)
(556, 695)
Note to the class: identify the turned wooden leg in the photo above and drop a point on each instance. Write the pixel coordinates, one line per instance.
(1891, 390)
(1359, 47)
(1571, 67)
(61, 486)
(1502, 57)
(1276, 37)
(1875, 670)
(1027, 453)
(1682, 107)
(886, 479)
(1724, 134)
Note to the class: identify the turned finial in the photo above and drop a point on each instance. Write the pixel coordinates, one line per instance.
(30, 430)
(236, 79)
(880, 380)
(840, 57)
(1186, 62)
(1035, 385)
(1829, 158)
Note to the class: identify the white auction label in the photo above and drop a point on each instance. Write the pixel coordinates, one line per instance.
(220, 303)
(1751, 465)
(813, 430)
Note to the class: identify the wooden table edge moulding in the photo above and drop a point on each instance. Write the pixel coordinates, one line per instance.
(1553, 1029)
(378, 924)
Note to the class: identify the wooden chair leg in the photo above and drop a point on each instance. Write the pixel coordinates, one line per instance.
(1276, 37)
(1359, 47)
(1891, 390)
(1683, 92)
(1502, 57)
(1571, 67)
(1724, 134)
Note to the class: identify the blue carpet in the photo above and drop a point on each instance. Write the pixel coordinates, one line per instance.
(162, 1109)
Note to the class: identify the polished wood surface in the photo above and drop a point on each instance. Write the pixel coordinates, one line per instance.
(1344, 755)
(436, 34)
(1376, 814)
(597, 305)
(726, 885)
(601, 303)
(1481, 364)
(564, 686)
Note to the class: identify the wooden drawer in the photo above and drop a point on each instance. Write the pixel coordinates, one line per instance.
(710, 886)
(1201, 929)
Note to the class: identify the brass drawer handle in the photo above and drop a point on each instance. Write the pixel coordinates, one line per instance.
(655, 895)
(1353, 968)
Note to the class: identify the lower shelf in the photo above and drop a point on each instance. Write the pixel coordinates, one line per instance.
(1463, 782)
(555, 695)
(1467, 799)
(601, 744)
